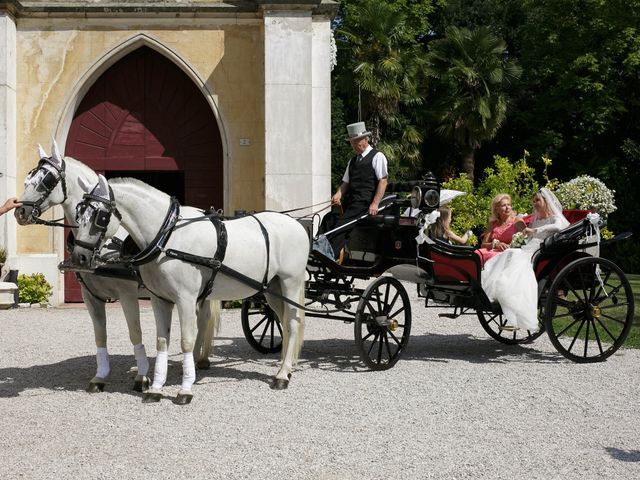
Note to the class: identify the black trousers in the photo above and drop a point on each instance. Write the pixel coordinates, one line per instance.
(339, 239)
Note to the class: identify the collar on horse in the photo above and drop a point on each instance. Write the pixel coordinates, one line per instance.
(157, 244)
(48, 183)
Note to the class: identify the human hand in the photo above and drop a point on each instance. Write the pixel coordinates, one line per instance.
(10, 204)
(499, 246)
(373, 208)
(502, 247)
(337, 198)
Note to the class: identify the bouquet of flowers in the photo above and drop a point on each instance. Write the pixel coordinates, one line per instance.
(588, 193)
(518, 240)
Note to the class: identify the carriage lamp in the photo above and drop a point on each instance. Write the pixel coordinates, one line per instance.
(431, 189)
(416, 197)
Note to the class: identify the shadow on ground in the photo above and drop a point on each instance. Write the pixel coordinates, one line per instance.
(624, 455)
(231, 354)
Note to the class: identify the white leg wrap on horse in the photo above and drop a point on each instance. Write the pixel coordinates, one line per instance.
(188, 371)
(102, 357)
(160, 370)
(141, 359)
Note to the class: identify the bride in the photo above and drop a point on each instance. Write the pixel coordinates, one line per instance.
(509, 278)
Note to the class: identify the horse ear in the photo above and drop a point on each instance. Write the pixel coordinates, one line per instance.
(41, 152)
(55, 153)
(84, 184)
(102, 189)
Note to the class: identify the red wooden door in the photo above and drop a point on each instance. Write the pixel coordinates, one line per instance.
(145, 118)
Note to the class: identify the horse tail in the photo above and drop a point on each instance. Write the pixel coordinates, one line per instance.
(213, 324)
(300, 339)
(207, 329)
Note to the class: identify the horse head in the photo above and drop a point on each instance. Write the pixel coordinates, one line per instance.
(98, 220)
(44, 186)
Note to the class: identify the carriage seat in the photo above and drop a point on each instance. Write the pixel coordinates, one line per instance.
(568, 238)
(364, 244)
(454, 263)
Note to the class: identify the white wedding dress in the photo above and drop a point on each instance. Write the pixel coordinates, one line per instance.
(509, 278)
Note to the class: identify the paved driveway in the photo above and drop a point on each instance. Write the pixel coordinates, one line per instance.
(458, 405)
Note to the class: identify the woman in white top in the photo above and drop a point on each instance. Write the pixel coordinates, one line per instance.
(509, 278)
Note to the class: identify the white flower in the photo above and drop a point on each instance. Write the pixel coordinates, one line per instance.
(586, 193)
(518, 240)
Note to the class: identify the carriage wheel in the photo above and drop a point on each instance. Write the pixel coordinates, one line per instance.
(383, 323)
(260, 325)
(589, 310)
(491, 322)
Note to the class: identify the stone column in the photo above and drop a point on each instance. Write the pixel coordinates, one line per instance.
(289, 119)
(321, 110)
(7, 127)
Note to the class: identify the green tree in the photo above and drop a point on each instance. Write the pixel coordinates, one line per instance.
(380, 74)
(471, 72)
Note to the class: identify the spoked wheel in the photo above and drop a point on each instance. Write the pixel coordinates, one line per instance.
(260, 325)
(383, 323)
(589, 310)
(492, 323)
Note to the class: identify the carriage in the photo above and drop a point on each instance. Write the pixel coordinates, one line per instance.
(585, 303)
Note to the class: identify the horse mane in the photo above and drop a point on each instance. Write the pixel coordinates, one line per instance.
(139, 183)
(86, 170)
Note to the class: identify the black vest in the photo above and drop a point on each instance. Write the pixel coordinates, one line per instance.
(362, 179)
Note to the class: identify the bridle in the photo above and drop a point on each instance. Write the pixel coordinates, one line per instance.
(47, 184)
(99, 218)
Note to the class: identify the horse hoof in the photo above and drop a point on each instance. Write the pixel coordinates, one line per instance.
(183, 399)
(142, 384)
(203, 364)
(95, 387)
(279, 384)
(151, 397)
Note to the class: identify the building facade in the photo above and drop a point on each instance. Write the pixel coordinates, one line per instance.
(220, 103)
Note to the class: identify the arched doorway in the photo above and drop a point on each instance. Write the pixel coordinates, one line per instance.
(145, 118)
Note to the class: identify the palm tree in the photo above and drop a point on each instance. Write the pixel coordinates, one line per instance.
(471, 71)
(384, 66)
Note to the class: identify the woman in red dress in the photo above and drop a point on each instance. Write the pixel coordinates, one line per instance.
(503, 223)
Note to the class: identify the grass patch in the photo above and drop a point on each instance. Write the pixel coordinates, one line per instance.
(633, 340)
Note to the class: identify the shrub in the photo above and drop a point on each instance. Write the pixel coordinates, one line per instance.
(3, 255)
(586, 193)
(33, 288)
(471, 211)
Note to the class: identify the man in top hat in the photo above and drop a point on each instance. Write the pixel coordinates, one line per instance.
(363, 184)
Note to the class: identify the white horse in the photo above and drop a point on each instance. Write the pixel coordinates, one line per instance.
(54, 181)
(267, 248)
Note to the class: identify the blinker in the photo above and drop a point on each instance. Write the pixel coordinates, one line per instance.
(101, 220)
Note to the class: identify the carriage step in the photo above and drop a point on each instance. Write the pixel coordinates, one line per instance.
(448, 315)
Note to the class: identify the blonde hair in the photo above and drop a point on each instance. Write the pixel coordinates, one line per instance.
(495, 204)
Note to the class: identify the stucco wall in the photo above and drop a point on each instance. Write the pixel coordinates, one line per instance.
(58, 60)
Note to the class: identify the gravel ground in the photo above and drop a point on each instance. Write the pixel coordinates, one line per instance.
(458, 405)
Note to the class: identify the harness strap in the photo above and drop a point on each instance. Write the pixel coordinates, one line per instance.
(52, 223)
(213, 263)
(91, 292)
(218, 256)
(157, 244)
(265, 234)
